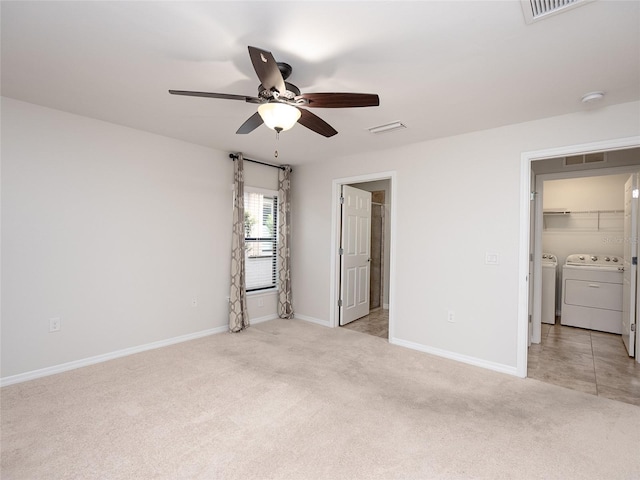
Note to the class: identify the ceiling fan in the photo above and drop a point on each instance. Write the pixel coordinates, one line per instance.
(280, 101)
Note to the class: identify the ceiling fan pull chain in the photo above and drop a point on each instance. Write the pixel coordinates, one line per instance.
(275, 152)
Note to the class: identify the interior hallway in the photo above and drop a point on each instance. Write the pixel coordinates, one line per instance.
(585, 360)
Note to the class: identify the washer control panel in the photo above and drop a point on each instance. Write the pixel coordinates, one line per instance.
(593, 260)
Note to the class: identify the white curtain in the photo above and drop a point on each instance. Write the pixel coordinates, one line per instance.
(285, 303)
(238, 315)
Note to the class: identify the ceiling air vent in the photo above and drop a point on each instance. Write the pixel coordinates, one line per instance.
(535, 10)
(389, 127)
(599, 157)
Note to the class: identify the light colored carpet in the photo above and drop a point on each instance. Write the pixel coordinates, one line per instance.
(292, 400)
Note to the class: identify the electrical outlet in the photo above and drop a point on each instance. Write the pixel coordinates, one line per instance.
(54, 324)
(194, 302)
(451, 316)
(261, 302)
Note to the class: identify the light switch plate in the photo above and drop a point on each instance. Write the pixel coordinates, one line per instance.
(491, 258)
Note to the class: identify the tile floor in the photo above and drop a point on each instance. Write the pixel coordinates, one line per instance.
(585, 360)
(376, 323)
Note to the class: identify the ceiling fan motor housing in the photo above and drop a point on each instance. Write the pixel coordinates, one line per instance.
(289, 94)
(291, 90)
(285, 69)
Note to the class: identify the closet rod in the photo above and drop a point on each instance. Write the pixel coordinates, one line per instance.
(233, 156)
(569, 212)
(591, 212)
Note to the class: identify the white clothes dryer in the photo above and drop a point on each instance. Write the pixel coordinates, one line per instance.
(592, 292)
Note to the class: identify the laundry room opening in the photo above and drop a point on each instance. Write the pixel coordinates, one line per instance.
(584, 300)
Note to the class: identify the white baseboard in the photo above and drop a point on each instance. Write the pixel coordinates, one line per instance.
(498, 367)
(385, 306)
(266, 318)
(324, 323)
(64, 367)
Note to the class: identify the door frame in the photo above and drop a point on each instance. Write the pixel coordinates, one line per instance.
(630, 302)
(538, 222)
(526, 160)
(334, 280)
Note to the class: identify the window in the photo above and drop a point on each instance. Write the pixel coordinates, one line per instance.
(260, 236)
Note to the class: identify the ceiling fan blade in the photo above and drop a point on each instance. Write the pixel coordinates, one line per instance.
(315, 123)
(267, 69)
(340, 100)
(253, 122)
(224, 96)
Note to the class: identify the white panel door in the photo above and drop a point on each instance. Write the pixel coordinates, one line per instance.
(355, 254)
(630, 263)
(535, 314)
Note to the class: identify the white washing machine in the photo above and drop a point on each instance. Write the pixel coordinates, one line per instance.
(592, 292)
(549, 273)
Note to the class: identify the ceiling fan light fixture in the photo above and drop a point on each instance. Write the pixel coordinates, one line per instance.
(279, 116)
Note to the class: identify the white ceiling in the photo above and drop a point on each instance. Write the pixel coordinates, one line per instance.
(442, 68)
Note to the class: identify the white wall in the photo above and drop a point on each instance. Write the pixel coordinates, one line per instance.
(114, 230)
(578, 232)
(604, 192)
(259, 176)
(456, 199)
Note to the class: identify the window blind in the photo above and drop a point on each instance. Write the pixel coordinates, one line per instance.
(261, 236)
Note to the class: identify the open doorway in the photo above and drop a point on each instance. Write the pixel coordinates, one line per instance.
(585, 350)
(378, 318)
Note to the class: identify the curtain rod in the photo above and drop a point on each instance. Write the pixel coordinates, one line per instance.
(233, 156)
